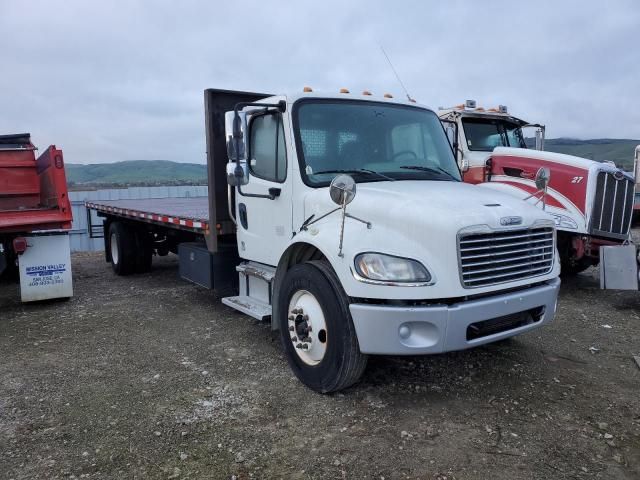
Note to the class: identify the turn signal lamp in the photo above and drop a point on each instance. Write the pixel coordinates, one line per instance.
(366, 92)
(388, 95)
(344, 90)
(19, 245)
(479, 109)
(307, 89)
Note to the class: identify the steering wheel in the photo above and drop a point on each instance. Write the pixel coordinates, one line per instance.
(404, 152)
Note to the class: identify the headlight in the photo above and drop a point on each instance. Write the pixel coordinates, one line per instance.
(378, 267)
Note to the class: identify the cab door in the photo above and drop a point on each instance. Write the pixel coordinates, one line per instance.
(265, 224)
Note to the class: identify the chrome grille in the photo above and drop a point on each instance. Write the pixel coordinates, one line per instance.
(612, 206)
(505, 256)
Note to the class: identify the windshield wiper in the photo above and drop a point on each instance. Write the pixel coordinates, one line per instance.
(358, 170)
(429, 169)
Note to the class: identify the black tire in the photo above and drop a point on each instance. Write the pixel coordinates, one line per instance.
(11, 272)
(144, 251)
(570, 268)
(122, 244)
(342, 364)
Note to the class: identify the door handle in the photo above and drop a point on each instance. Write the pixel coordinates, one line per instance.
(242, 208)
(274, 192)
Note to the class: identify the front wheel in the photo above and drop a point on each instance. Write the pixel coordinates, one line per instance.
(316, 329)
(573, 267)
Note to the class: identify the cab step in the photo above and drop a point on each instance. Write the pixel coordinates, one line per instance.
(249, 306)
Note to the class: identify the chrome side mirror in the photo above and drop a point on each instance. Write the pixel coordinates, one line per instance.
(342, 190)
(542, 178)
(236, 137)
(237, 173)
(542, 182)
(540, 131)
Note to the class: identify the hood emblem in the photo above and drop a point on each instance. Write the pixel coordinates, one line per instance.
(618, 175)
(505, 221)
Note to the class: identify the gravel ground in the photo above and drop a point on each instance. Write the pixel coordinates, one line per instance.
(149, 376)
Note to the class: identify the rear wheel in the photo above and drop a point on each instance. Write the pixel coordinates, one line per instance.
(122, 248)
(316, 329)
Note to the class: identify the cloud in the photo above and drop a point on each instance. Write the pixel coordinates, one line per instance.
(119, 80)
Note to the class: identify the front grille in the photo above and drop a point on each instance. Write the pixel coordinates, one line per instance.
(612, 206)
(506, 256)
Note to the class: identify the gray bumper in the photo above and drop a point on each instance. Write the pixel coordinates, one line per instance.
(389, 330)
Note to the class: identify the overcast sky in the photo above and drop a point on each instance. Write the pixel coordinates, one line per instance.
(120, 80)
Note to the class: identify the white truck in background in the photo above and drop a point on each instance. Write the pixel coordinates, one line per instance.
(342, 219)
(591, 202)
(636, 200)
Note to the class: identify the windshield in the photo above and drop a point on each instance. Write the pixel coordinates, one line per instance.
(370, 141)
(485, 134)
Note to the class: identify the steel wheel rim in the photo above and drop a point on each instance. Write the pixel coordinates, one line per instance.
(115, 254)
(310, 344)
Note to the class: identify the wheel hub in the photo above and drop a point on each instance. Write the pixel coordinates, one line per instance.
(307, 327)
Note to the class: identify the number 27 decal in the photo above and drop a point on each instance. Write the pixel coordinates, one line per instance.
(576, 179)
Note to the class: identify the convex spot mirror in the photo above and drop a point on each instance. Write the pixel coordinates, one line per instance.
(236, 137)
(542, 178)
(342, 189)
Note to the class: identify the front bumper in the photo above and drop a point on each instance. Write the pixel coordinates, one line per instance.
(390, 330)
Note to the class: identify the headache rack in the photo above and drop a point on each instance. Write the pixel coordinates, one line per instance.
(612, 205)
(490, 258)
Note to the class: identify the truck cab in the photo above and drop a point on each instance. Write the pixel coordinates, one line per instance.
(346, 214)
(636, 167)
(591, 202)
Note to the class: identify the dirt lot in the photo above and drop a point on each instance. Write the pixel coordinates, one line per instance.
(149, 376)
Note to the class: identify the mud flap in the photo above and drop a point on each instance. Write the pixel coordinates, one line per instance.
(45, 268)
(618, 267)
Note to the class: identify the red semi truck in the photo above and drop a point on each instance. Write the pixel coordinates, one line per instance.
(35, 217)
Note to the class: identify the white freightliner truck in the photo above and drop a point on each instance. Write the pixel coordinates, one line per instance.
(591, 202)
(342, 219)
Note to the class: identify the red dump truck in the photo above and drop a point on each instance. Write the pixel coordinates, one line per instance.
(35, 219)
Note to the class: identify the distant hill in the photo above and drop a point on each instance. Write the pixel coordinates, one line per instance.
(619, 151)
(164, 172)
(136, 172)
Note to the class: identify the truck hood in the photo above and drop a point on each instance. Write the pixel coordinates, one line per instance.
(414, 219)
(557, 158)
(449, 205)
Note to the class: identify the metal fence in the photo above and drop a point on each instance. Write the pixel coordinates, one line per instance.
(80, 241)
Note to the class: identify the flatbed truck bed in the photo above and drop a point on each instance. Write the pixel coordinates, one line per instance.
(190, 214)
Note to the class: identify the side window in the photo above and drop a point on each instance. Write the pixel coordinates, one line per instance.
(267, 148)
